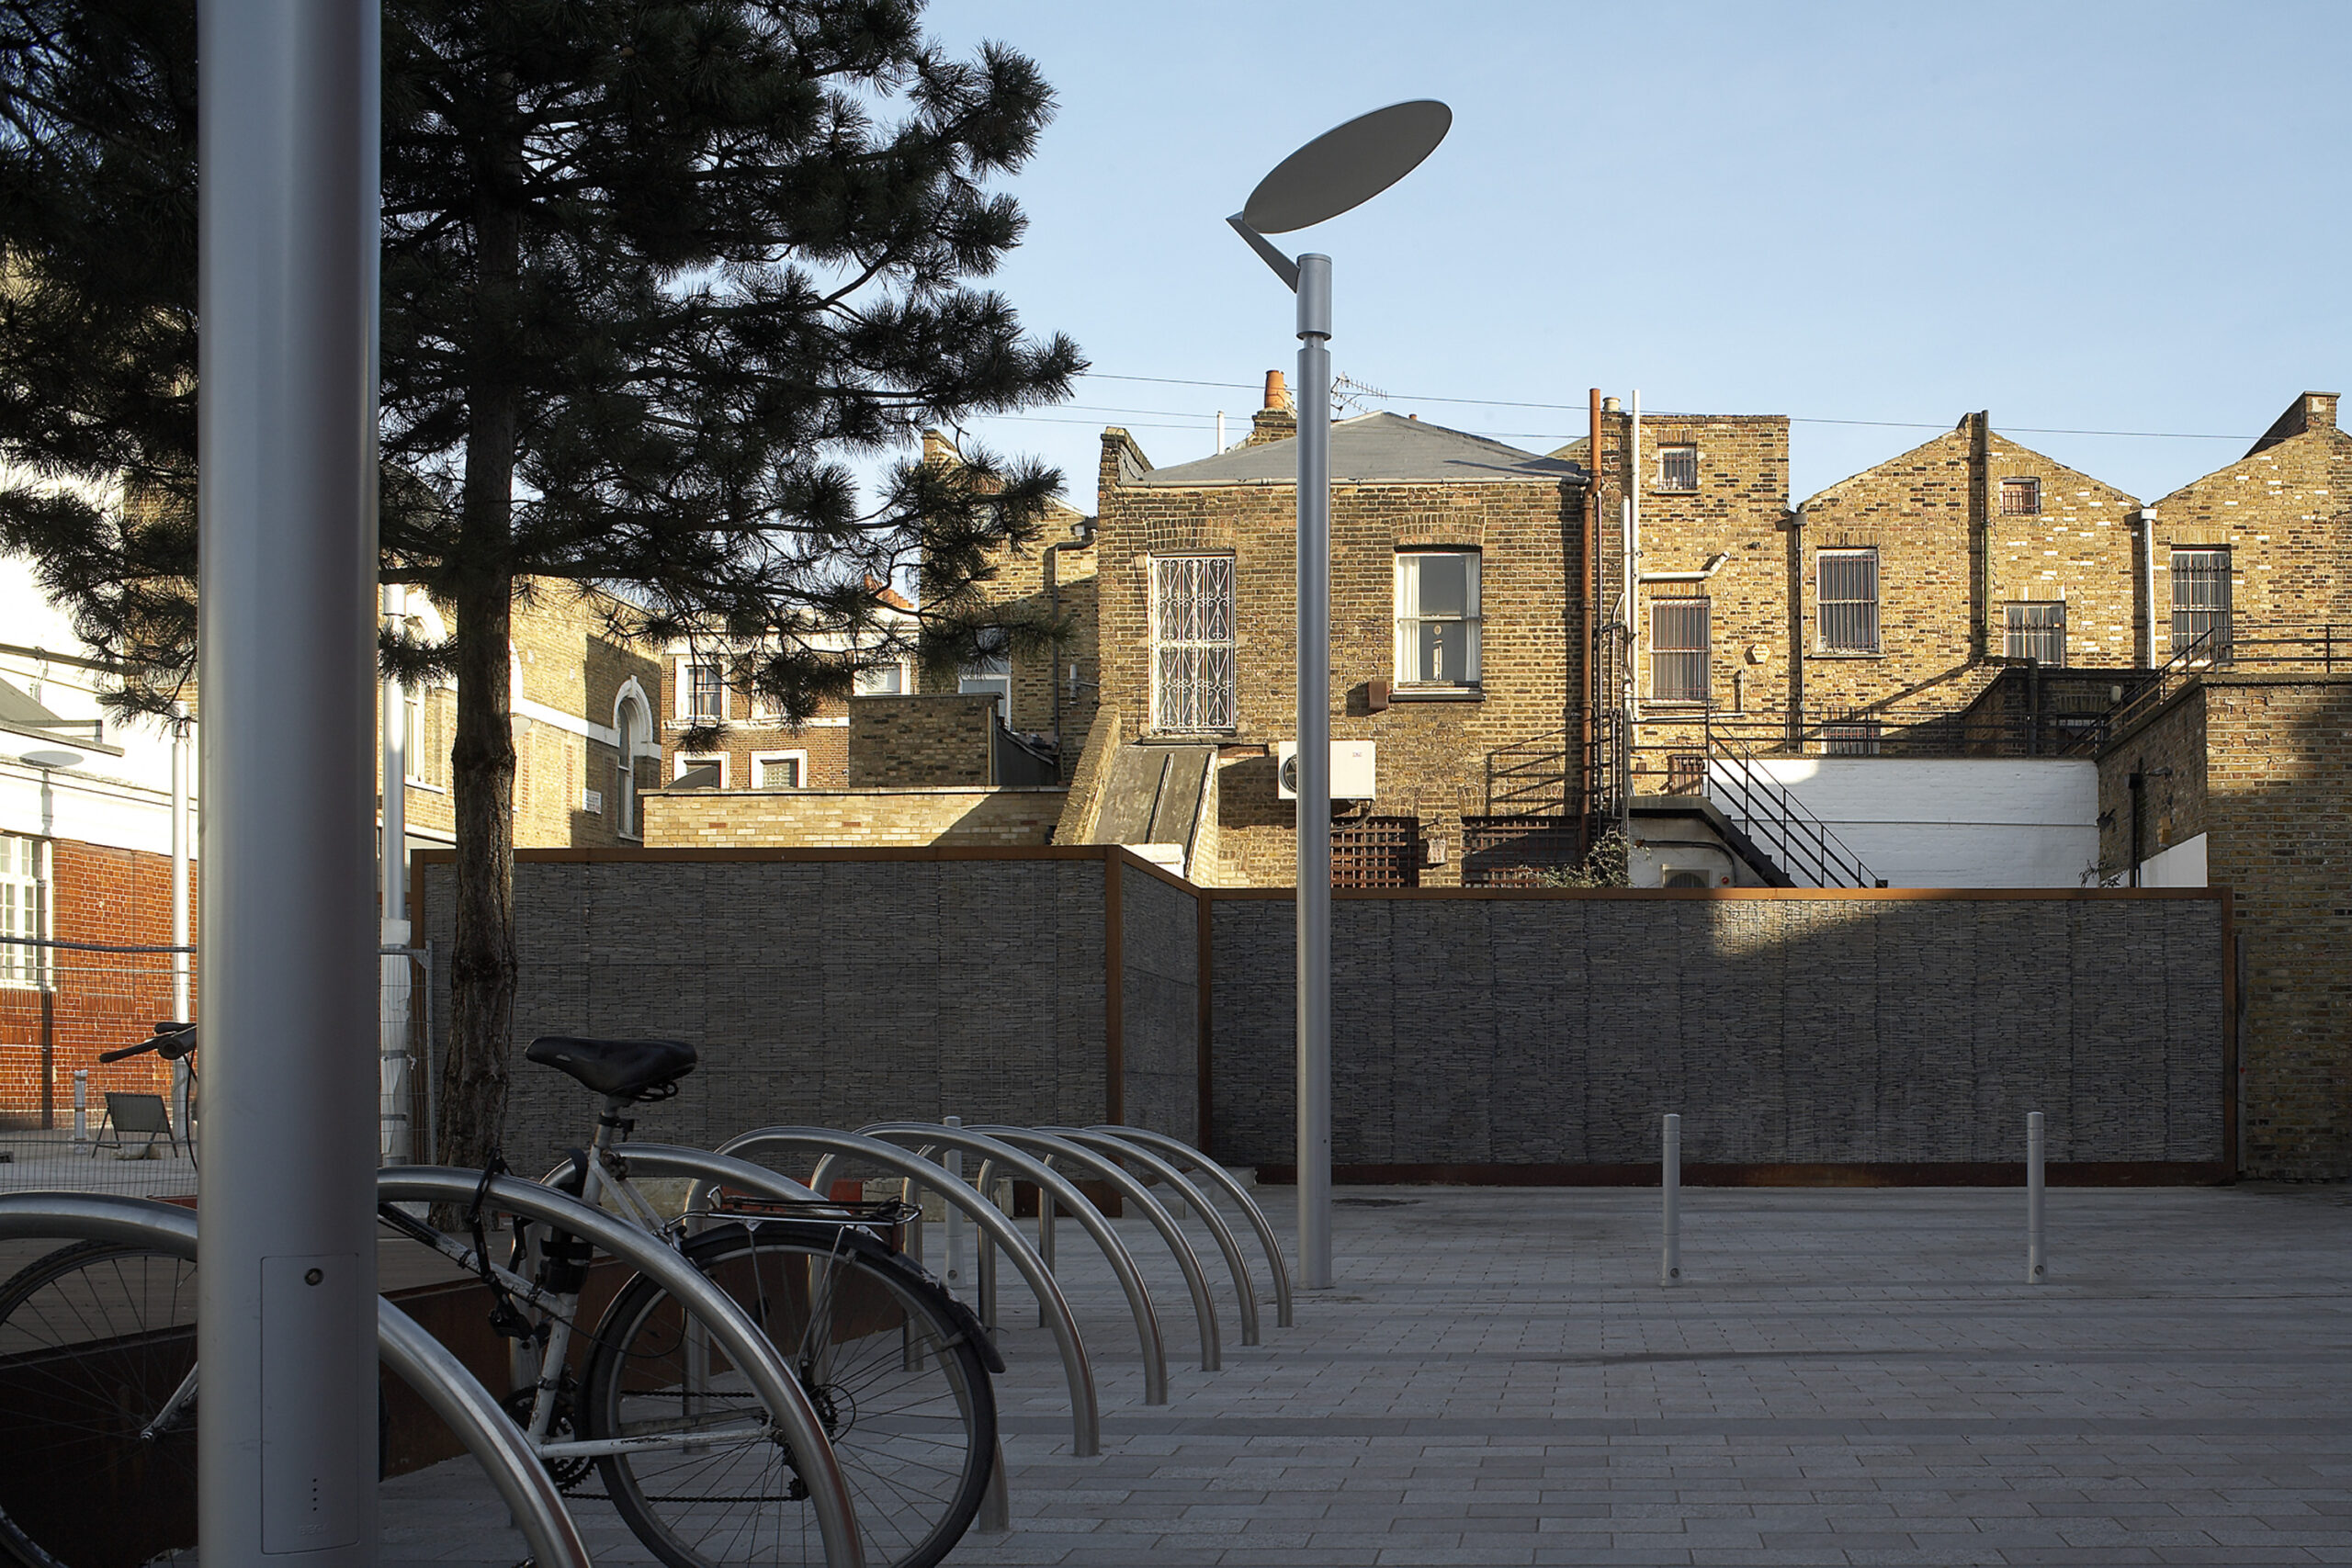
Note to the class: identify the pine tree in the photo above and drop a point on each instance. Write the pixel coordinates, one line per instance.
(655, 276)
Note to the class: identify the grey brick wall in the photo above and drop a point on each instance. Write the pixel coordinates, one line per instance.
(1159, 1004)
(1555, 1030)
(829, 992)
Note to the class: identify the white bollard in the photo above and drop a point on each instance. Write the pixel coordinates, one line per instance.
(81, 1105)
(2033, 1197)
(955, 1275)
(1670, 1268)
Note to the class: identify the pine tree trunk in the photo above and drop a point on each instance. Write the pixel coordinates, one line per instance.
(482, 969)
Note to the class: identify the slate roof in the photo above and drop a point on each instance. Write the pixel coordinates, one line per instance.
(1373, 449)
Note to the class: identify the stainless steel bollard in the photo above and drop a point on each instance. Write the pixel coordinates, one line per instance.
(81, 1105)
(2033, 1197)
(954, 1222)
(1670, 1268)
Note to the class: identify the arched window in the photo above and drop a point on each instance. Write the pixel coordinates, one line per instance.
(629, 722)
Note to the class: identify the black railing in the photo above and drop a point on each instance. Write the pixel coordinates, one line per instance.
(1775, 822)
(2310, 647)
(1536, 777)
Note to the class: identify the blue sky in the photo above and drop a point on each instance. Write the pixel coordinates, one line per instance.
(2081, 216)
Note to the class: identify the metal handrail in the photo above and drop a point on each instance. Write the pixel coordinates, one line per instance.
(1053, 1308)
(1181, 1153)
(1155, 1168)
(1830, 862)
(419, 1360)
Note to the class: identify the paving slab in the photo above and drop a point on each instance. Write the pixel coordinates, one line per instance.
(1844, 1376)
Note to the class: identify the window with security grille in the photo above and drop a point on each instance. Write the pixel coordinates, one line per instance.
(1852, 738)
(1678, 467)
(1846, 585)
(2021, 498)
(1192, 644)
(1678, 650)
(1437, 618)
(706, 692)
(2038, 631)
(24, 911)
(2201, 602)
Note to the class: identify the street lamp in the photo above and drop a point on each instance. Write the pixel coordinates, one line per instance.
(1340, 169)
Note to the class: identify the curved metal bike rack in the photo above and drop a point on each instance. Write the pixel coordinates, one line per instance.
(779, 1389)
(415, 1356)
(1086, 1421)
(1181, 1154)
(928, 1135)
(1154, 1168)
(1188, 1262)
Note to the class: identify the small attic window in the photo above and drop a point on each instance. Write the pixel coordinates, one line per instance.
(1677, 467)
(2021, 498)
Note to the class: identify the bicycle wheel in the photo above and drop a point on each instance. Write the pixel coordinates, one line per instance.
(897, 1369)
(95, 1338)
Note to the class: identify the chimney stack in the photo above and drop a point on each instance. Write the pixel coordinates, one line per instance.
(1277, 421)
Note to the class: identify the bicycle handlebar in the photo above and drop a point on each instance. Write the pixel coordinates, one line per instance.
(171, 1043)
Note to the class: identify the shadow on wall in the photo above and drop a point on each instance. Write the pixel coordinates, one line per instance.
(1541, 1036)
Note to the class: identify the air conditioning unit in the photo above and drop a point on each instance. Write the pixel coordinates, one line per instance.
(1352, 774)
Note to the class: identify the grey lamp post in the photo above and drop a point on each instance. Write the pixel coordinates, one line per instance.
(1340, 169)
(288, 231)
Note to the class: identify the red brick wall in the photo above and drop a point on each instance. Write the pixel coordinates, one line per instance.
(97, 1000)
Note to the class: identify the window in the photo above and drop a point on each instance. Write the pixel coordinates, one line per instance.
(1852, 738)
(2021, 498)
(1192, 638)
(882, 680)
(2201, 602)
(24, 910)
(702, 693)
(423, 762)
(700, 771)
(1678, 467)
(631, 727)
(1437, 618)
(1847, 582)
(1678, 650)
(2038, 631)
(992, 675)
(779, 770)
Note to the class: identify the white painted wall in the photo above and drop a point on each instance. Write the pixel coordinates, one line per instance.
(2183, 865)
(1960, 822)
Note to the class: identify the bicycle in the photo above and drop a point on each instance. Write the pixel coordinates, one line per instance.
(173, 1042)
(896, 1367)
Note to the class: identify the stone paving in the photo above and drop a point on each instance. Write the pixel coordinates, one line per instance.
(1843, 1377)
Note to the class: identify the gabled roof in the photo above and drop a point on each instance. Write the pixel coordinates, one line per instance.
(1370, 449)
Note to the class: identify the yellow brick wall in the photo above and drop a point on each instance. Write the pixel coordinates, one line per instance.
(851, 818)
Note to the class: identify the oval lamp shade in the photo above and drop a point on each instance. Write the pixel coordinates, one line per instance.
(1347, 166)
(52, 759)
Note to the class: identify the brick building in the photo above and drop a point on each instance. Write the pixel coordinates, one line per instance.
(1454, 640)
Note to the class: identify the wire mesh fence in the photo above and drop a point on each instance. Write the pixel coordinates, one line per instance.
(70, 1121)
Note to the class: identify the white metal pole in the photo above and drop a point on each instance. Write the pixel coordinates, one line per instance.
(181, 1000)
(394, 974)
(288, 96)
(1669, 1267)
(1314, 814)
(2033, 1197)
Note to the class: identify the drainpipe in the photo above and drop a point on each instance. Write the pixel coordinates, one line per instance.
(2138, 783)
(1979, 533)
(1796, 628)
(1632, 572)
(1586, 763)
(2144, 524)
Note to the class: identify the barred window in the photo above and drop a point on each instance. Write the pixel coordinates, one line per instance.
(2021, 498)
(24, 910)
(2038, 631)
(1678, 650)
(1848, 587)
(1437, 618)
(1678, 467)
(2201, 602)
(1192, 638)
(1852, 738)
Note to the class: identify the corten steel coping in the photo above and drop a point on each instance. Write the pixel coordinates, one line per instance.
(419, 1360)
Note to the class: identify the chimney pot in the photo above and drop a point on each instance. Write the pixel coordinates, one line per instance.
(1277, 395)
(1612, 405)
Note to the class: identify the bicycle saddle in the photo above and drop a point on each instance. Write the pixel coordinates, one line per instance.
(626, 1068)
